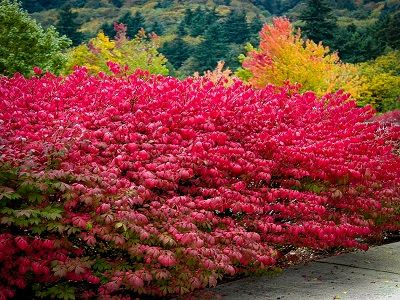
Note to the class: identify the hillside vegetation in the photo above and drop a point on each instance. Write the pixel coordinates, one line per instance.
(355, 22)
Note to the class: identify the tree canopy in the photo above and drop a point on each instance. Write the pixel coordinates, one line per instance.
(319, 22)
(24, 44)
(283, 56)
(139, 52)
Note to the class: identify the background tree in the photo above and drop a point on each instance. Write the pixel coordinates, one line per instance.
(387, 28)
(211, 50)
(117, 3)
(255, 25)
(273, 6)
(140, 52)
(39, 5)
(199, 20)
(108, 29)
(25, 44)
(284, 56)
(176, 51)
(345, 4)
(133, 23)
(68, 26)
(357, 44)
(235, 27)
(382, 76)
(164, 3)
(319, 22)
(157, 28)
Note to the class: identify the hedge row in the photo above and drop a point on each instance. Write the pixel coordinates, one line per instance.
(118, 186)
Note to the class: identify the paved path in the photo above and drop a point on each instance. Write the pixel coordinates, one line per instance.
(371, 275)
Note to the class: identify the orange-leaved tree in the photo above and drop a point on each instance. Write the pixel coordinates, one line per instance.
(283, 56)
(219, 75)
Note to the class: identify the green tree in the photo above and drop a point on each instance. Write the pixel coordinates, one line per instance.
(25, 44)
(357, 44)
(176, 51)
(108, 29)
(319, 22)
(236, 29)
(164, 4)
(387, 29)
(273, 6)
(255, 27)
(157, 28)
(68, 26)
(188, 17)
(181, 31)
(201, 20)
(346, 4)
(117, 3)
(212, 49)
(134, 23)
(39, 5)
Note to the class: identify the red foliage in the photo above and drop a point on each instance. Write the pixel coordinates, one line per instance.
(187, 180)
(390, 127)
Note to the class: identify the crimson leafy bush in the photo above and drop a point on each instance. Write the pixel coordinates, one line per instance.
(152, 185)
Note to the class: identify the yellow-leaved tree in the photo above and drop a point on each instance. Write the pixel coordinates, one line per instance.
(383, 77)
(283, 56)
(138, 53)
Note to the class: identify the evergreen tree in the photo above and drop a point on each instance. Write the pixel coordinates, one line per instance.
(133, 23)
(117, 3)
(387, 29)
(32, 6)
(68, 26)
(236, 29)
(157, 28)
(164, 4)
(346, 4)
(319, 22)
(393, 32)
(39, 5)
(198, 22)
(255, 25)
(212, 49)
(357, 45)
(108, 29)
(231, 57)
(273, 6)
(201, 20)
(188, 17)
(176, 51)
(181, 29)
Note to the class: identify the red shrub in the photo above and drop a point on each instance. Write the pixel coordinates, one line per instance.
(163, 186)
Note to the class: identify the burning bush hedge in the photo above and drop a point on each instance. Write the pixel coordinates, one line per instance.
(118, 186)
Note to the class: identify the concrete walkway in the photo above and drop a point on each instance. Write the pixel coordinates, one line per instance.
(371, 275)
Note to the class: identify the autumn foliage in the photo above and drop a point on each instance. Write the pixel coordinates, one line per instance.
(131, 54)
(283, 56)
(147, 184)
